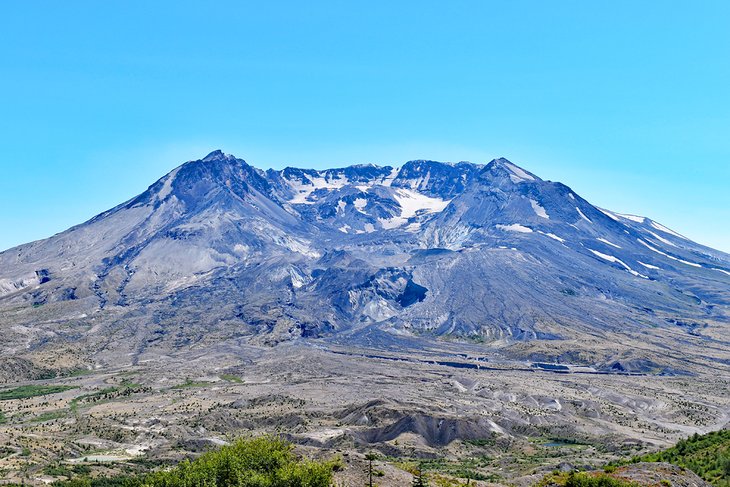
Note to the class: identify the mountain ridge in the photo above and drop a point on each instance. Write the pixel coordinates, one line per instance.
(489, 253)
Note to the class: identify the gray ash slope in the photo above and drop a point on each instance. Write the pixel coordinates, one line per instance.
(218, 250)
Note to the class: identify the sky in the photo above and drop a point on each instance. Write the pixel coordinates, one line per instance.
(626, 102)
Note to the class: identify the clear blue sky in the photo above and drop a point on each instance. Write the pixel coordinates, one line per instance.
(627, 102)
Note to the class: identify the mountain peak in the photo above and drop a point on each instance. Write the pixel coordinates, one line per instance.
(515, 173)
(218, 155)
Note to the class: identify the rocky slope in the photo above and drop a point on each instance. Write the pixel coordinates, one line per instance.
(218, 250)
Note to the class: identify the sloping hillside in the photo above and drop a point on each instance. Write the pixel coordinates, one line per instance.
(706, 455)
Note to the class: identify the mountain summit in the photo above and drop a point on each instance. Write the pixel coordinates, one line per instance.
(218, 250)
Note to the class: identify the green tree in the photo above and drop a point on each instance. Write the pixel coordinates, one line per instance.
(370, 457)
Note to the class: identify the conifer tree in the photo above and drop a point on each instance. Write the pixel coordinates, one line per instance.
(370, 457)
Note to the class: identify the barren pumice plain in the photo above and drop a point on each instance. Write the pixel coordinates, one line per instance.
(507, 422)
(472, 318)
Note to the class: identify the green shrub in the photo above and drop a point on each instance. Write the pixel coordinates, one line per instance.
(583, 479)
(259, 462)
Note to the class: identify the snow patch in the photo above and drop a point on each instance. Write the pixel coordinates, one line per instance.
(297, 278)
(661, 239)
(388, 223)
(616, 260)
(167, 186)
(515, 227)
(582, 215)
(693, 264)
(412, 203)
(390, 177)
(608, 243)
(554, 237)
(519, 174)
(360, 204)
(609, 214)
(308, 184)
(633, 218)
(664, 229)
(539, 210)
(649, 266)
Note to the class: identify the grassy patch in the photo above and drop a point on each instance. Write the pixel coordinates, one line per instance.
(468, 468)
(79, 373)
(24, 392)
(231, 378)
(191, 383)
(49, 416)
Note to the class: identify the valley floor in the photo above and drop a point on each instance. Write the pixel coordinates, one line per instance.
(457, 414)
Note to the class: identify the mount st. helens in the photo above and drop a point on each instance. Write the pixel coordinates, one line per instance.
(490, 256)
